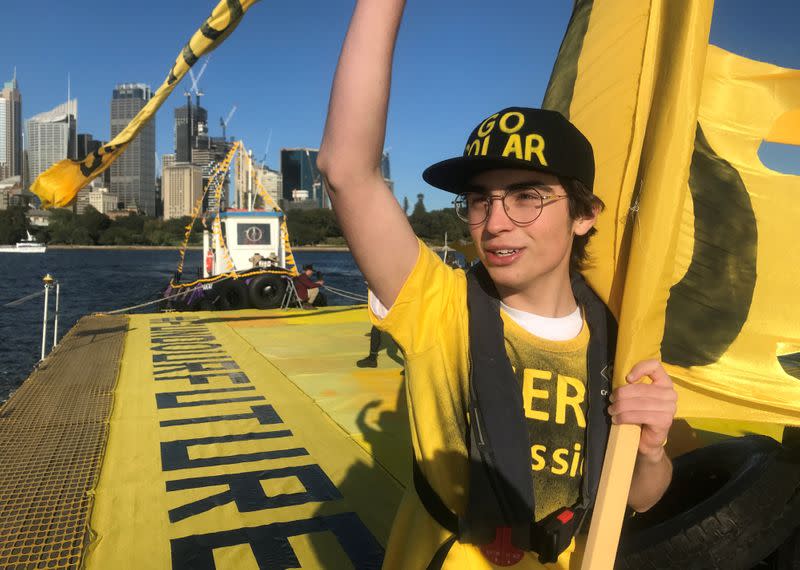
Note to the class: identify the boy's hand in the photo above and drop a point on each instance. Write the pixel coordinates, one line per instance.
(651, 406)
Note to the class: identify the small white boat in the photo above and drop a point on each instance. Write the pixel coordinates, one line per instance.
(28, 245)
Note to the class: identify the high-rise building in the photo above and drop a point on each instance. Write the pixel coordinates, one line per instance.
(181, 186)
(271, 181)
(87, 144)
(50, 137)
(300, 173)
(191, 121)
(133, 174)
(10, 130)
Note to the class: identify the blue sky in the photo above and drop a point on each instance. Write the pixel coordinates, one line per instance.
(456, 61)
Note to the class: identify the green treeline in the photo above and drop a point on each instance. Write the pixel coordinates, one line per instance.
(94, 228)
(314, 227)
(306, 227)
(13, 224)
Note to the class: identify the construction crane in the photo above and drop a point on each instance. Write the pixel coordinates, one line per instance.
(194, 86)
(188, 93)
(224, 122)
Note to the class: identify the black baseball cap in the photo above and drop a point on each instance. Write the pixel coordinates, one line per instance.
(518, 137)
(309, 266)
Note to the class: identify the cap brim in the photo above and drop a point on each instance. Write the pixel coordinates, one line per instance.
(453, 174)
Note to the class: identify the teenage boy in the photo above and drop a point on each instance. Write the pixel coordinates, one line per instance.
(507, 367)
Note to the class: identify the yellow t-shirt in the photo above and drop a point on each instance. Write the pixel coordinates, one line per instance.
(429, 321)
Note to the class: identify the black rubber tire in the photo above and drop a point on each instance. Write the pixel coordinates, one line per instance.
(729, 506)
(231, 294)
(266, 291)
(787, 557)
(203, 303)
(179, 303)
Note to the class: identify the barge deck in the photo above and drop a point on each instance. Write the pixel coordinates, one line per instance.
(205, 440)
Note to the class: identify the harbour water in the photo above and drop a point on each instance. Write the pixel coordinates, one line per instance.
(95, 280)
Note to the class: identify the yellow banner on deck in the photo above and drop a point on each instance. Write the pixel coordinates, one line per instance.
(59, 184)
(230, 447)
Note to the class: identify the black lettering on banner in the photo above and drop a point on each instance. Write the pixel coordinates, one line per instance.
(167, 400)
(246, 491)
(187, 357)
(235, 377)
(202, 346)
(182, 339)
(166, 328)
(171, 319)
(175, 454)
(195, 366)
(266, 415)
(172, 331)
(270, 543)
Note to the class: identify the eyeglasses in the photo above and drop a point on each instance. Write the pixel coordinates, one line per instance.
(522, 205)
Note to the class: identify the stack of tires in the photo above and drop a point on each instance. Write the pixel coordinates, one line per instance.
(263, 291)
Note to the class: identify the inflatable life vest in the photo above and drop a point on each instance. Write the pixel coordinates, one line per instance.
(501, 501)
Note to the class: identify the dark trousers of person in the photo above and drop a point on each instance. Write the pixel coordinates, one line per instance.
(374, 340)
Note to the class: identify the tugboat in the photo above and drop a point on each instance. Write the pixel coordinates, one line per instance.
(247, 259)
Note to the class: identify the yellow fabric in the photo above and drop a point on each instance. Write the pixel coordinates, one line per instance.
(646, 78)
(59, 185)
(741, 104)
(429, 321)
(662, 108)
(319, 401)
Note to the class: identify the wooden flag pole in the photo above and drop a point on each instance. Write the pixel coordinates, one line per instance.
(612, 496)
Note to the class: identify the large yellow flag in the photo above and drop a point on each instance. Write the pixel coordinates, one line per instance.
(693, 254)
(732, 324)
(59, 184)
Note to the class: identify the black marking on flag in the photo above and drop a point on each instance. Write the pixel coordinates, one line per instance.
(560, 88)
(707, 309)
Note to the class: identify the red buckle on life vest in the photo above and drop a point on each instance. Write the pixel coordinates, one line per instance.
(501, 552)
(565, 516)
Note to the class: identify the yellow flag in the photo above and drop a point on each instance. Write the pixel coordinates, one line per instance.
(59, 184)
(629, 75)
(732, 323)
(694, 253)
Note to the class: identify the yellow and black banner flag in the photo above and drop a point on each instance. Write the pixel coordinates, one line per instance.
(694, 252)
(59, 184)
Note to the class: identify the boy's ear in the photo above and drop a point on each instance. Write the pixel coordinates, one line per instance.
(580, 226)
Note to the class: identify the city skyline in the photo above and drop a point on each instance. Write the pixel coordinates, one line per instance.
(445, 79)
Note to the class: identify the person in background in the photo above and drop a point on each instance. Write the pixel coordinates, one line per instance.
(371, 361)
(307, 288)
(256, 259)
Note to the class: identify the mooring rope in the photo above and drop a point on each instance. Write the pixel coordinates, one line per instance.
(347, 294)
(140, 305)
(23, 299)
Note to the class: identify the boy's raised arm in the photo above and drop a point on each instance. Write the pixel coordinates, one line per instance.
(375, 227)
